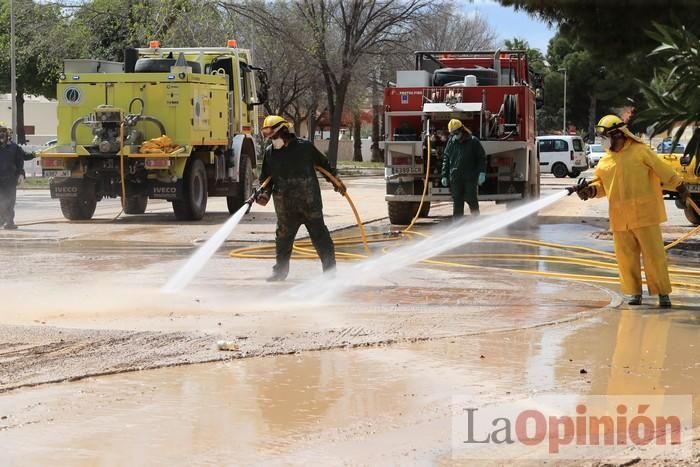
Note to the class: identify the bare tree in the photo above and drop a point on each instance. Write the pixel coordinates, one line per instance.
(443, 27)
(335, 34)
(344, 31)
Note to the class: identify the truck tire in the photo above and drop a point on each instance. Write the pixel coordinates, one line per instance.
(402, 212)
(559, 170)
(136, 204)
(245, 185)
(78, 209)
(690, 213)
(424, 210)
(193, 207)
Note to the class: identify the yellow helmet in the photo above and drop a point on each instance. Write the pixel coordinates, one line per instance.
(611, 123)
(453, 125)
(272, 124)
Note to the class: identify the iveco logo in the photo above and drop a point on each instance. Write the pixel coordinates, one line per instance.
(66, 189)
(72, 95)
(164, 190)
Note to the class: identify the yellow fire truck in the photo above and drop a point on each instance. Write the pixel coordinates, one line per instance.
(167, 123)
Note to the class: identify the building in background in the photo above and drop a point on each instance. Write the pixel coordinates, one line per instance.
(39, 117)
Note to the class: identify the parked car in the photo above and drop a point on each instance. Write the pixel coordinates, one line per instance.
(593, 154)
(561, 155)
(664, 147)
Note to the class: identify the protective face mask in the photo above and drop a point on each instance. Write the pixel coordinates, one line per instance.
(277, 143)
(605, 142)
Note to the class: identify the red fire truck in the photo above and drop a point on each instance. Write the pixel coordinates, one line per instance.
(494, 94)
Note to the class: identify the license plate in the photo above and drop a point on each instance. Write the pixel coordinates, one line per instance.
(56, 173)
(408, 170)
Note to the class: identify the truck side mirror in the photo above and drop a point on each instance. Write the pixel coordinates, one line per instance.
(264, 87)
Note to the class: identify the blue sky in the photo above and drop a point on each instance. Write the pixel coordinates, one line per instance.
(509, 23)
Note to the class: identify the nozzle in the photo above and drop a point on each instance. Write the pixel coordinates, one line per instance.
(580, 185)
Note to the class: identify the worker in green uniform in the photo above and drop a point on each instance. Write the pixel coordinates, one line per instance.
(463, 168)
(290, 162)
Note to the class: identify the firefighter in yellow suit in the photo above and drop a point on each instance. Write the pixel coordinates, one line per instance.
(631, 175)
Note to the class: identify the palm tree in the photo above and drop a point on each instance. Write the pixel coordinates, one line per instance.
(673, 95)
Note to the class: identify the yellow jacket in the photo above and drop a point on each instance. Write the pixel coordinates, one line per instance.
(631, 179)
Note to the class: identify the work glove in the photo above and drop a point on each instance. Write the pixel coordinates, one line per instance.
(444, 182)
(340, 188)
(263, 198)
(683, 193)
(482, 178)
(588, 192)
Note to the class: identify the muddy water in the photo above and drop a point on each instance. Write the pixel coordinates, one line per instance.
(358, 406)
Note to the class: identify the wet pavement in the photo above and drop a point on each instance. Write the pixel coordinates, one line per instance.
(367, 380)
(368, 406)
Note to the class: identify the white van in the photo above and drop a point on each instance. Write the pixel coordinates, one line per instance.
(561, 155)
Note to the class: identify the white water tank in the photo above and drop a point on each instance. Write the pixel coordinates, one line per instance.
(470, 81)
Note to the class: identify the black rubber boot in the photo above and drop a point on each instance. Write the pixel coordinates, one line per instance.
(278, 274)
(664, 301)
(10, 226)
(634, 300)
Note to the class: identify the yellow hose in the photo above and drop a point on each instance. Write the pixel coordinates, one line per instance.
(692, 232)
(426, 183)
(337, 184)
(581, 256)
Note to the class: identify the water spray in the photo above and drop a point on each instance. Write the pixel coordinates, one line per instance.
(197, 261)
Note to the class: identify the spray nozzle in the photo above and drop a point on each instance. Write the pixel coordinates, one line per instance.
(580, 185)
(256, 193)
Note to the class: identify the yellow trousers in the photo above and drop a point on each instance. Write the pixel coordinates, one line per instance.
(628, 246)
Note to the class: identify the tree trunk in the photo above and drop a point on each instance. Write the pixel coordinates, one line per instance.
(297, 126)
(357, 136)
(591, 118)
(336, 110)
(311, 119)
(336, 118)
(19, 102)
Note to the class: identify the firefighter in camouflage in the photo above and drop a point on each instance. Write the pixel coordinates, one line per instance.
(296, 194)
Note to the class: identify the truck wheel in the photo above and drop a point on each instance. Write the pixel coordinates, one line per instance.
(559, 170)
(136, 204)
(424, 210)
(78, 209)
(401, 212)
(245, 185)
(574, 173)
(691, 215)
(193, 207)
